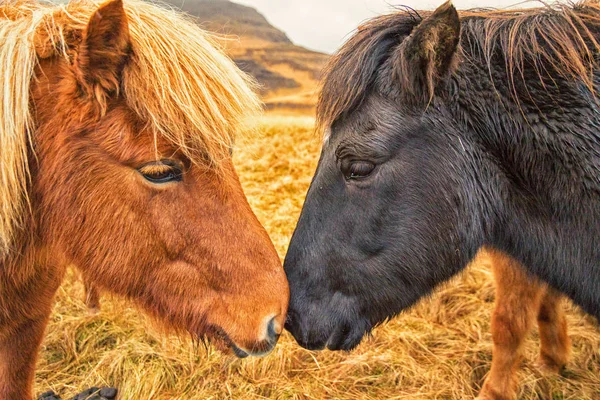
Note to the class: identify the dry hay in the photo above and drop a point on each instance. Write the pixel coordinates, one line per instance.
(439, 350)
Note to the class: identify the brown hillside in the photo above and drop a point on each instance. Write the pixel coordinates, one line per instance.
(288, 74)
(229, 18)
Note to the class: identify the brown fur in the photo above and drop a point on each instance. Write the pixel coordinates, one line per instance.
(191, 253)
(520, 300)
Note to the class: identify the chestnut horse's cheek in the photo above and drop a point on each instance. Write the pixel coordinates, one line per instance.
(173, 223)
(125, 247)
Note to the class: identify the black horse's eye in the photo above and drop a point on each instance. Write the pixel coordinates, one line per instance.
(162, 172)
(357, 169)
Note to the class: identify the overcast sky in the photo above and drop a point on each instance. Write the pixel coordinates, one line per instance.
(324, 24)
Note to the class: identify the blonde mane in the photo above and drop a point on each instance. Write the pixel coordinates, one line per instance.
(177, 79)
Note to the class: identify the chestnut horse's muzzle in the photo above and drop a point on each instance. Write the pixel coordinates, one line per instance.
(263, 346)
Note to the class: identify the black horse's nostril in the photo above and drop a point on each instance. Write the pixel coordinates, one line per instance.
(290, 320)
(272, 335)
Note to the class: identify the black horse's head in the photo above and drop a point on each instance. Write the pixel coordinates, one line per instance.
(381, 223)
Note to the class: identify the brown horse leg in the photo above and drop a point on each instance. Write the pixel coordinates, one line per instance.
(92, 296)
(18, 354)
(517, 302)
(26, 298)
(555, 343)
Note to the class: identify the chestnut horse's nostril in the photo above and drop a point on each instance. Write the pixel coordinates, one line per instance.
(273, 330)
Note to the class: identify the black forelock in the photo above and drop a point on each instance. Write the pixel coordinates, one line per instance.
(351, 73)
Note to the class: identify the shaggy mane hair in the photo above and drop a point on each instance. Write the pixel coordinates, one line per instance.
(556, 40)
(177, 79)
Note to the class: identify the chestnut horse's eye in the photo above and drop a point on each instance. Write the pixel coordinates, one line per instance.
(164, 171)
(357, 169)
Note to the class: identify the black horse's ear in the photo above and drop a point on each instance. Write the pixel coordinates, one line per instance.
(427, 56)
(104, 50)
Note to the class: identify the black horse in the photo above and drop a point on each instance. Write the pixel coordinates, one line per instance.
(443, 134)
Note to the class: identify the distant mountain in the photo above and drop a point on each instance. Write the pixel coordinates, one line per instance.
(229, 18)
(288, 74)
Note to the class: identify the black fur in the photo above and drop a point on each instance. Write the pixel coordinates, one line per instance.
(503, 157)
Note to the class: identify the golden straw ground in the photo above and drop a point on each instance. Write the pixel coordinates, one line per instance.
(439, 350)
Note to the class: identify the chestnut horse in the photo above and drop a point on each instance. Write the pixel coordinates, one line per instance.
(116, 125)
(520, 300)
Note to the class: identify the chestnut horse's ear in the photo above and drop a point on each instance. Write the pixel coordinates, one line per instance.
(104, 50)
(427, 56)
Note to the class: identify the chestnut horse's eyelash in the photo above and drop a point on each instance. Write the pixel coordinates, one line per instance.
(155, 169)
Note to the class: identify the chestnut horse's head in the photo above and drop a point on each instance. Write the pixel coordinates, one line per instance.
(116, 142)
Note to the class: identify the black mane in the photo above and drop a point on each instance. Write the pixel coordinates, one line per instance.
(557, 42)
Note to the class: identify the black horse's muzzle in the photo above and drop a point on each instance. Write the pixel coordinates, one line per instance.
(327, 330)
